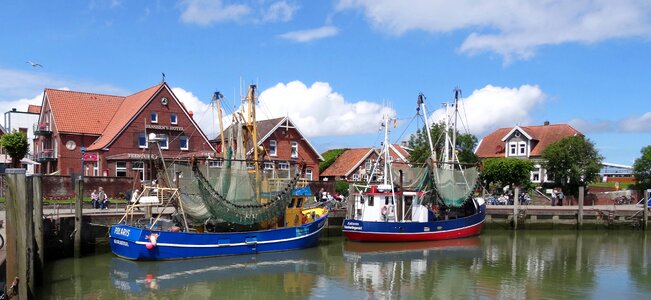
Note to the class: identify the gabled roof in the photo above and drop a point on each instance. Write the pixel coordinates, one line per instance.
(493, 146)
(348, 161)
(35, 109)
(518, 128)
(399, 153)
(79, 112)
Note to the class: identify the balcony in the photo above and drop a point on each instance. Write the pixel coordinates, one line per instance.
(42, 129)
(45, 155)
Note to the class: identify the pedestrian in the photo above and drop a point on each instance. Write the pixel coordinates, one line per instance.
(560, 197)
(553, 197)
(134, 198)
(94, 199)
(102, 199)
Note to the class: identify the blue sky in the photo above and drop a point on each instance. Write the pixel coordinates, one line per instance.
(336, 66)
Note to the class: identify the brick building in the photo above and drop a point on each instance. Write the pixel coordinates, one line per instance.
(284, 145)
(357, 164)
(111, 132)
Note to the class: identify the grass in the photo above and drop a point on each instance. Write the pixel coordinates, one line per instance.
(622, 185)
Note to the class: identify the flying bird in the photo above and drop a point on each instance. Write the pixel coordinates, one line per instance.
(34, 64)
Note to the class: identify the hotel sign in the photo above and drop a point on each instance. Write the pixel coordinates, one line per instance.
(90, 156)
(164, 127)
(143, 156)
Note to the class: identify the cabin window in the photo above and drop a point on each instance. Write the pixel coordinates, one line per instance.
(183, 142)
(272, 148)
(299, 202)
(386, 200)
(138, 168)
(153, 117)
(371, 200)
(142, 140)
(174, 119)
(294, 150)
(121, 168)
(291, 203)
(163, 141)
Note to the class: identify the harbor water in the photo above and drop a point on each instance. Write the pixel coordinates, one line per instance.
(499, 264)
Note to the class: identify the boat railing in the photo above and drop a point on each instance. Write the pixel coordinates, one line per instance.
(153, 196)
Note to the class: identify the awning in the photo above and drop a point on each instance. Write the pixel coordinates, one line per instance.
(29, 162)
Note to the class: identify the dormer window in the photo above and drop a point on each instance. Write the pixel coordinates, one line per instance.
(513, 148)
(522, 149)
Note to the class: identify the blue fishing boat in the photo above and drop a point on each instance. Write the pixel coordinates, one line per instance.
(234, 208)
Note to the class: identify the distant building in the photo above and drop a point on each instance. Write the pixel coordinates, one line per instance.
(111, 132)
(22, 121)
(525, 142)
(357, 164)
(616, 173)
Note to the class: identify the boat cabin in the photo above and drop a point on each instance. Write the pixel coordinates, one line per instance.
(382, 204)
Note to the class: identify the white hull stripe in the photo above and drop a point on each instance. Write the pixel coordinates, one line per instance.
(413, 233)
(228, 245)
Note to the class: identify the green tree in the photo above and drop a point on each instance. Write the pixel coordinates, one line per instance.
(329, 158)
(341, 187)
(419, 144)
(642, 169)
(16, 145)
(507, 171)
(572, 162)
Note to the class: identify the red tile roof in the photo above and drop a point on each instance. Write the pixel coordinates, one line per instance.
(492, 145)
(36, 109)
(400, 152)
(78, 112)
(347, 161)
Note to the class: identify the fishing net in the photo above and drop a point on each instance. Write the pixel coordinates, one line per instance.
(233, 193)
(454, 185)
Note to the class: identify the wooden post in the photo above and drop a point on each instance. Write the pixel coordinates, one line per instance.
(78, 217)
(645, 215)
(580, 216)
(515, 208)
(399, 201)
(350, 205)
(20, 230)
(39, 258)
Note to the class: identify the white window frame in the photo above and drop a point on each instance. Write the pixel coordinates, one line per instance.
(216, 163)
(522, 149)
(187, 142)
(273, 148)
(174, 119)
(294, 153)
(355, 177)
(537, 170)
(143, 136)
(283, 166)
(153, 117)
(513, 149)
(141, 169)
(119, 168)
(308, 174)
(368, 164)
(164, 138)
(268, 166)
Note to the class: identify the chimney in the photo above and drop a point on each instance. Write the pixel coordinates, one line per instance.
(546, 123)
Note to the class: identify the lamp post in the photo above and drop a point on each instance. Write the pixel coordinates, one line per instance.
(83, 151)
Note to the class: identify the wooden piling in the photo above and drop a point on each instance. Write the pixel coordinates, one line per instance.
(645, 215)
(515, 208)
(39, 257)
(19, 233)
(78, 216)
(580, 215)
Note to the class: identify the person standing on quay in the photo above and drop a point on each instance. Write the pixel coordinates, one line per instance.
(101, 198)
(553, 197)
(94, 199)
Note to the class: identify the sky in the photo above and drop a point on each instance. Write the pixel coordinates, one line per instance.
(336, 67)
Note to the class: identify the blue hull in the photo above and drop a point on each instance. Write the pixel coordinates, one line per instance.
(131, 242)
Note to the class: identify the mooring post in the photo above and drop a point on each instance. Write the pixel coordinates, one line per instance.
(20, 233)
(400, 199)
(580, 216)
(78, 216)
(515, 208)
(39, 258)
(645, 215)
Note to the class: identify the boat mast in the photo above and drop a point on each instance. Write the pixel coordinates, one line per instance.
(421, 104)
(217, 97)
(457, 95)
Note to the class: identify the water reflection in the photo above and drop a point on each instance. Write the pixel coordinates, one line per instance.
(499, 264)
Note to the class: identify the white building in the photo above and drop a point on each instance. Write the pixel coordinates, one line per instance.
(23, 121)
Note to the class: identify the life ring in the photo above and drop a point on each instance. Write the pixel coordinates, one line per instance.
(385, 210)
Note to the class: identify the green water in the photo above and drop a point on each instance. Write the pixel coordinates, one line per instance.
(497, 265)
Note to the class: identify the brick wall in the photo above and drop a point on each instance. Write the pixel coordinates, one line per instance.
(62, 187)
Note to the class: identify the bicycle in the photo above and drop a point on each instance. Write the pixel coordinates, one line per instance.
(2, 241)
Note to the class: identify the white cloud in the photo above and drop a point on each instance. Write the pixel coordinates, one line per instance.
(494, 107)
(637, 124)
(318, 111)
(203, 113)
(511, 28)
(303, 36)
(279, 11)
(207, 12)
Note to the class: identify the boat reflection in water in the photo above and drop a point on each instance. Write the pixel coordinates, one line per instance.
(392, 270)
(142, 276)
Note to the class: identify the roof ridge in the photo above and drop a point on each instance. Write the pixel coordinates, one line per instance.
(86, 93)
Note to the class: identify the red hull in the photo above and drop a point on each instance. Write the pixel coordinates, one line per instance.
(469, 231)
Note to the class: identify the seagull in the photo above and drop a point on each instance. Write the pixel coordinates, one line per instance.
(34, 64)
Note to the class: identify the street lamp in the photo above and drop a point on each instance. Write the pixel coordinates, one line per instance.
(83, 151)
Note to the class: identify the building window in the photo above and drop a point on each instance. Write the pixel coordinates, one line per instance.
(183, 142)
(138, 168)
(308, 174)
(174, 119)
(121, 168)
(283, 166)
(163, 141)
(272, 148)
(513, 149)
(523, 149)
(535, 174)
(216, 164)
(355, 177)
(268, 165)
(294, 150)
(368, 164)
(154, 117)
(142, 140)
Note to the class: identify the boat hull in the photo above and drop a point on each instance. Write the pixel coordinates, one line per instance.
(366, 231)
(132, 242)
